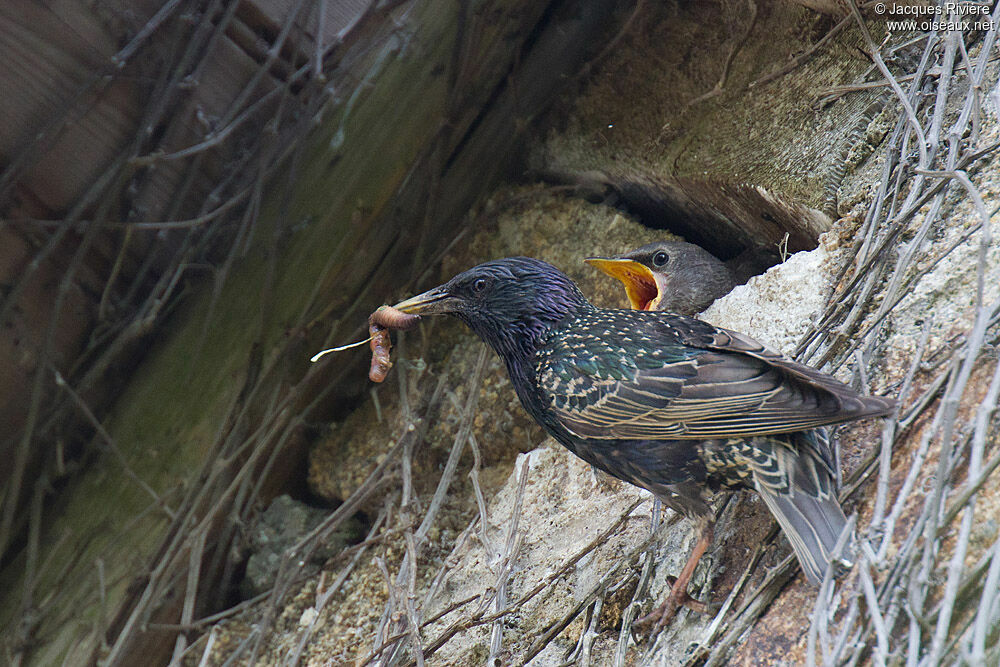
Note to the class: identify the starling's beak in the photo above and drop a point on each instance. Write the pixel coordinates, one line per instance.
(432, 302)
(642, 286)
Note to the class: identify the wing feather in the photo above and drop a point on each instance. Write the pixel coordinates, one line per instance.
(672, 377)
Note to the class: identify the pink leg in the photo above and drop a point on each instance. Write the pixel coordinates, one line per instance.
(678, 592)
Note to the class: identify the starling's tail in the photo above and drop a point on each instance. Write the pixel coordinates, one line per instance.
(805, 504)
(812, 525)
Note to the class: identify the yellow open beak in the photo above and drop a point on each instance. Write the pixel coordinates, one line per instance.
(641, 286)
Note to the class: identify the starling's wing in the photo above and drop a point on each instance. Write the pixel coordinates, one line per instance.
(631, 375)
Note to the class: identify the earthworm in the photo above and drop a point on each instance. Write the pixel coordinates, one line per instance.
(390, 318)
(381, 346)
(379, 323)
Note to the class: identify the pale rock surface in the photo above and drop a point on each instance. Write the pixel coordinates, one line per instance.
(779, 306)
(564, 508)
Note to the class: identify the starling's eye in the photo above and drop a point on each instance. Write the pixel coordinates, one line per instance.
(479, 286)
(660, 258)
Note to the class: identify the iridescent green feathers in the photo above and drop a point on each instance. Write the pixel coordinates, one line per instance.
(618, 374)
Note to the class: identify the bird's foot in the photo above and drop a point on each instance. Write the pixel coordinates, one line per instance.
(665, 613)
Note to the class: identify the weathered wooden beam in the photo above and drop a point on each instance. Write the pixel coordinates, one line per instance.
(429, 104)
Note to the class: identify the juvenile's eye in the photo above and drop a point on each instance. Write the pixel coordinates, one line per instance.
(660, 258)
(479, 286)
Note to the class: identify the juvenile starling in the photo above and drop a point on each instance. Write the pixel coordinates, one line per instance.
(684, 279)
(674, 276)
(663, 401)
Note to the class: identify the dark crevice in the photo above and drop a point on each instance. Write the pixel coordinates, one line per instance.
(740, 222)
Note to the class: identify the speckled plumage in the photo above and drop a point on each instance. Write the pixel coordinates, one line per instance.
(793, 472)
(663, 401)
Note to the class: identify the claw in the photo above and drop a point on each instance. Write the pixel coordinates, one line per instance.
(662, 615)
(678, 588)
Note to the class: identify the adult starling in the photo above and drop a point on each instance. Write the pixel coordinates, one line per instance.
(674, 276)
(682, 278)
(663, 401)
